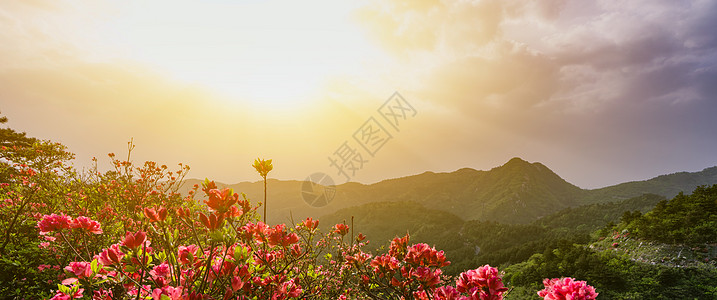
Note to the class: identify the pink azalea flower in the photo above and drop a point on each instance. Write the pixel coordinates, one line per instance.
(111, 255)
(53, 222)
(237, 283)
(398, 247)
(79, 268)
(311, 224)
(134, 240)
(341, 229)
(87, 224)
(426, 277)
(482, 283)
(447, 293)
(423, 255)
(221, 200)
(186, 253)
(161, 270)
(567, 288)
(384, 264)
(277, 236)
(174, 293)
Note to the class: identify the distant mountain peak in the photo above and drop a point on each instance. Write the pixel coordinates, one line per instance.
(521, 164)
(518, 163)
(516, 160)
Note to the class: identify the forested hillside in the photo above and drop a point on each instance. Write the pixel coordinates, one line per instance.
(516, 192)
(578, 241)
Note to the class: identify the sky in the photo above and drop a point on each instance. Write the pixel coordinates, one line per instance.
(601, 92)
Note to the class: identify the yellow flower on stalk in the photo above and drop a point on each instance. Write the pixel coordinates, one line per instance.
(263, 166)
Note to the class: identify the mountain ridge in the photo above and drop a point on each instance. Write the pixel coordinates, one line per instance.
(516, 192)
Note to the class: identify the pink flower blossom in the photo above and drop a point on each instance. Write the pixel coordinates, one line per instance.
(151, 214)
(220, 201)
(87, 224)
(484, 283)
(567, 288)
(161, 270)
(447, 293)
(213, 221)
(398, 247)
(53, 222)
(341, 229)
(237, 283)
(277, 236)
(256, 231)
(174, 293)
(111, 255)
(102, 294)
(79, 268)
(288, 289)
(384, 264)
(186, 253)
(296, 250)
(311, 224)
(134, 240)
(43, 267)
(426, 276)
(423, 255)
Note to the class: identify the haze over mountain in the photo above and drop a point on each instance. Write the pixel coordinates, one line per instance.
(516, 192)
(664, 185)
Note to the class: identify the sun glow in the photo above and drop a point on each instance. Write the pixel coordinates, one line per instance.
(253, 52)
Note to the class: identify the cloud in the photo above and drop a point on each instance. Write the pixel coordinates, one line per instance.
(616, 48)
(565, 74)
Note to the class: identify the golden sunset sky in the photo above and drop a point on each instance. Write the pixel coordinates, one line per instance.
(599, 91)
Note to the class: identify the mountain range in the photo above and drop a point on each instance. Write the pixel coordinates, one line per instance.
(517, 192)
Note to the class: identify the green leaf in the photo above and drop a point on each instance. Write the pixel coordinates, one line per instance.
(95, 266)
(162, 256)
(216, 236)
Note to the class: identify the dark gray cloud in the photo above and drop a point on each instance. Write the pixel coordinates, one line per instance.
(630, 87)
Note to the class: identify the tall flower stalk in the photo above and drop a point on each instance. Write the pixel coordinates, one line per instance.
(263, 167)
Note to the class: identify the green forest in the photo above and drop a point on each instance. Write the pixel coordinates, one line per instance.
(577, 242)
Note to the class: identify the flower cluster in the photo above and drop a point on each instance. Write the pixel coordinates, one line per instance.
(235, 258)
(221, 200)
(482, 283)
(218, 249)
(423, 255)
(567, 288)
(263, 166)
(341, 229)
(414, 271)
(53, 222)
(273, 263)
